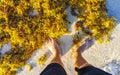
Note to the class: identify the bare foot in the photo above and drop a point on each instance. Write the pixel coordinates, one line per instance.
(83, 45)
(78, 49)
(55, 49)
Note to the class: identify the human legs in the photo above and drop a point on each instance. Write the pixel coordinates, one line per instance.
(56, 51)
(82, 67)
(79, 61)
(56, 66)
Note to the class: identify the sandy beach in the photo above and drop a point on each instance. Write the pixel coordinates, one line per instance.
(104, 56)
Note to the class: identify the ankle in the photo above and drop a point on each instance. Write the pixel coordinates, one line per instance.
(80, 61)
(81, 65)
(57, 59)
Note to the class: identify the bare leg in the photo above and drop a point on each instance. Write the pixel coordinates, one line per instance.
(80, 62)
(55, 49)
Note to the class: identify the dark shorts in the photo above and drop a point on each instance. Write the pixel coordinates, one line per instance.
(56, 69)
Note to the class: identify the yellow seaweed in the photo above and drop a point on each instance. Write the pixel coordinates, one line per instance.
(27, 23)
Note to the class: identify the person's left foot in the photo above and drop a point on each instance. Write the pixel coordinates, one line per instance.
(53, 47)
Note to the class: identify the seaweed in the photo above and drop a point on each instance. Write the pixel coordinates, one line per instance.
(27, 23)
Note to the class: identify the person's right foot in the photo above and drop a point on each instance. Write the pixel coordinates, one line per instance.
(78, 49)
(83, 45)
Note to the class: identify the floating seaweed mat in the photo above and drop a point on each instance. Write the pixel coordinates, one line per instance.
(26, 24)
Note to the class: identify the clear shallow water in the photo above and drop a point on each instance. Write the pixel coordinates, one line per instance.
(113, 7)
